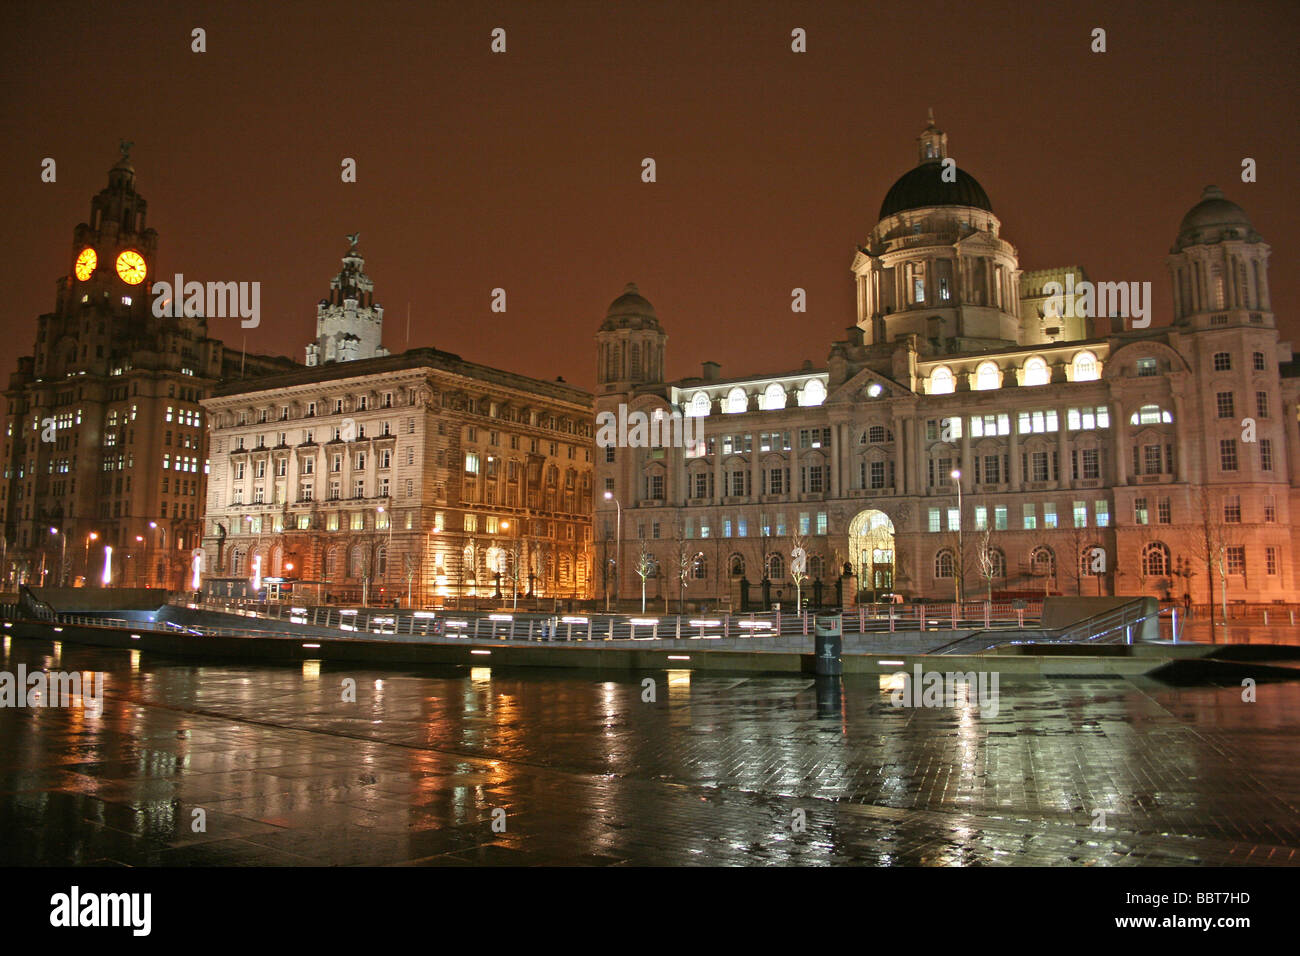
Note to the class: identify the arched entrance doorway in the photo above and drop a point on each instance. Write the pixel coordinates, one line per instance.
(871, 552)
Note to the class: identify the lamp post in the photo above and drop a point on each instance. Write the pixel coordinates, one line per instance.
(150, 570)
(63, 553)
(618, 545)
(960, 562)
(388, 551)
(93, 536)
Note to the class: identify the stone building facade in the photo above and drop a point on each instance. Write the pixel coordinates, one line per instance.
(972, 435)
(417, 477)
(105, 449)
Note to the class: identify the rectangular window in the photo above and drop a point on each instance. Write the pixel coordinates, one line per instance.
(1223, 402)
(655, 486)
(1227, 454)
(954, 519)
(1030, 518)
(1081, 514)
(1146, 367)
(1259, 361)
(471, 522)
(877, 474)
(981, 518)
(1270, 509)
(1266, 454)
(1261, 404)
(1091, 463)
(1000, 518)
(1236, 559)
(1049, 515)
(1152, 459)
(934, 520)
(471, 462)
(1270, 561)
(804, 525)
(1038, 466)
(1102, 511)
(1232, 509)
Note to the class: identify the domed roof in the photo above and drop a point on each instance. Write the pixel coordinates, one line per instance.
(924, 186)
(630, 310)
(1214, 218)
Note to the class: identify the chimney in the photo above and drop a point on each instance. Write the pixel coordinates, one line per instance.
(711, 370)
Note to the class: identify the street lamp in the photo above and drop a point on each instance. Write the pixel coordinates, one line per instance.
(960, 562)
(63, 553)
(618, 546)
(388, 551)
(93, 536)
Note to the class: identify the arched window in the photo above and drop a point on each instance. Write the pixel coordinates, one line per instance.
(236, 561)
(813, 393)
(737, 401)
(699, 405)
(1090, 558)
(331, 563)
(877, 434)
(634, 362)
(1036, 372)
(381, 561)
(1044, 562)
(941, 381)
(1085, 367)
(816, 566)
(1155, 559)
(737, 566)
(775, 567)
(943, 564)
(773, 397)
(700, 568)
(986, 376)
(1151, 415)
(357, 565)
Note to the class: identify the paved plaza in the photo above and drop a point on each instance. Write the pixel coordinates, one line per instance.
(717, 770)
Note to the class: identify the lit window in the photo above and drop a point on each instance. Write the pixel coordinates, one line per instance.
(773, 397)
(1085, 367)
(814, 393)
(1036, 372)
(941, 381)
(737, 401)
(986, 376)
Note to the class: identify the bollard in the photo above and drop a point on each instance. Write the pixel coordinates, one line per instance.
(1265, 617)
(828, 645)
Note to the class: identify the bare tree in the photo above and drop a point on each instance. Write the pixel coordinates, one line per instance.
(1215, 541)
(646, 566)
(798, 567)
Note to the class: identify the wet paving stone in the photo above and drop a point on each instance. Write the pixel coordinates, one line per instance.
(718, 770)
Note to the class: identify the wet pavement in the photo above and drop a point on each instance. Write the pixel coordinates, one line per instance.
(717, 770)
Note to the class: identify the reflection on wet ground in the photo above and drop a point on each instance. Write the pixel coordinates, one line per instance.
(714, 771)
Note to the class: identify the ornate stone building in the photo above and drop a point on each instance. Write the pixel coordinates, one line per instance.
(971, 435)
(105, 446)
(418, 473)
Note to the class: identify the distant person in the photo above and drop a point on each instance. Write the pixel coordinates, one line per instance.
(1187, 604)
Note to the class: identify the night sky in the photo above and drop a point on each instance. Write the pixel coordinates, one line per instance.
(523, 170)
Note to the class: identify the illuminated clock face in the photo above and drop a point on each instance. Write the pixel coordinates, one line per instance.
(130, 267)
(86, 264)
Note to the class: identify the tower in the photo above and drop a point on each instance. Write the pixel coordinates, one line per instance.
(934, 266)
(349, 325)
(1219, 267)
(630, 344)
